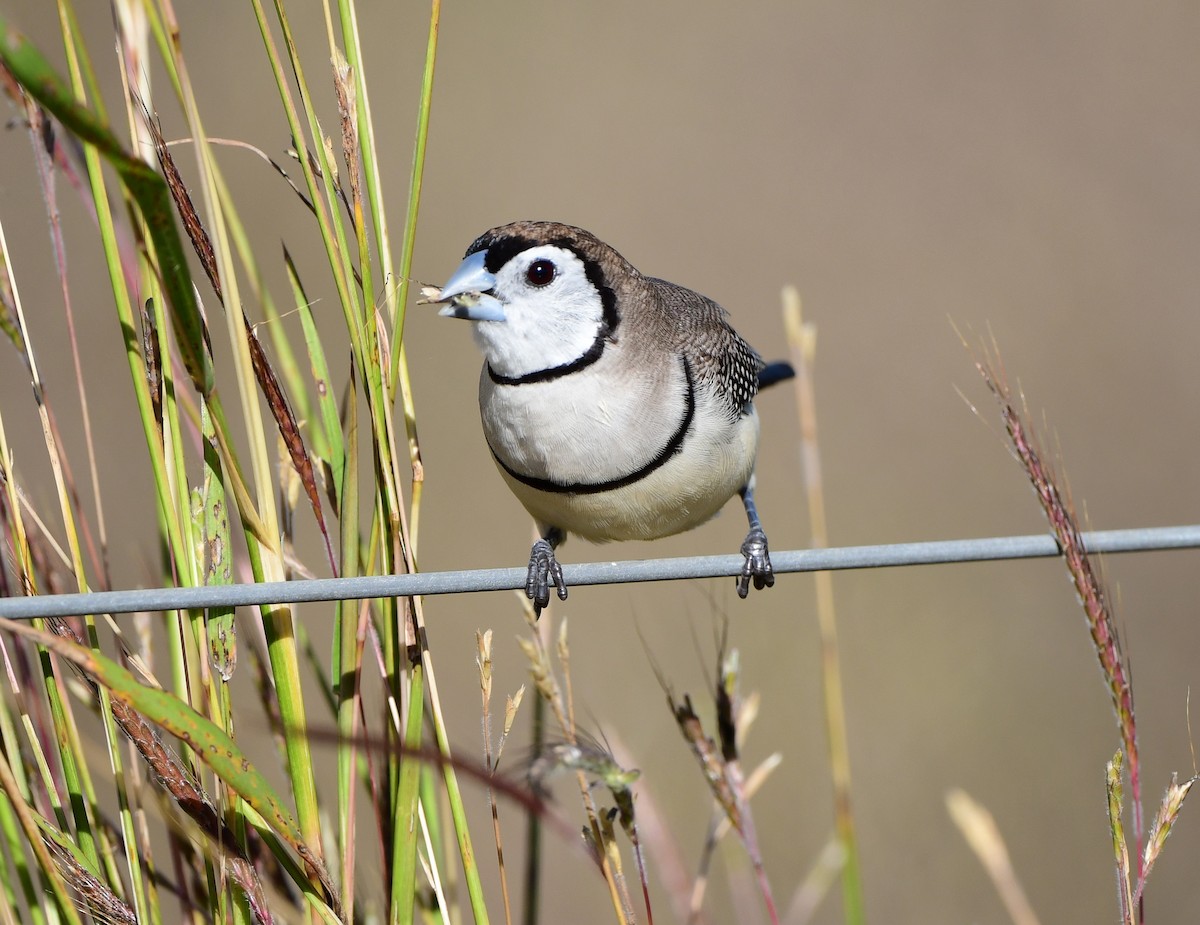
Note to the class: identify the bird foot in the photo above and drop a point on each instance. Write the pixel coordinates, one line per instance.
(758, 563)
(544, 568)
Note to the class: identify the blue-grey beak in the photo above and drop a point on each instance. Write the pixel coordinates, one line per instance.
(468, 292)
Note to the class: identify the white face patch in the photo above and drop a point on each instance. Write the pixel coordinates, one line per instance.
(552, 311)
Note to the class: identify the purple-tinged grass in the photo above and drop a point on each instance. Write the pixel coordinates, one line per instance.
(1093, 597)
(1089, 587)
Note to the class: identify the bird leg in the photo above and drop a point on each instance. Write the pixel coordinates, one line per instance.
(544, 568)
(758, 559)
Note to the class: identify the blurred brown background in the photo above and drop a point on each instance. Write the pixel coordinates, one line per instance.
(1029, 167)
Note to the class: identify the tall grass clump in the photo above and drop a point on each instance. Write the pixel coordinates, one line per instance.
(240, 450)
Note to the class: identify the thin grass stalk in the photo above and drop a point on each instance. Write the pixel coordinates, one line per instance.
(533, 824)
(483, 662)
(324, 216)
(802, 341)
(605, 847)
(139, 790)
(415, 184)
(348, 111)
(53, 448)
(406, 730)
(405, 822)
(348, 16)
(458, 813)
(443, 849)
(327, 427)
(335, 238)
(46, 778)
(398, 374)
(347, 657)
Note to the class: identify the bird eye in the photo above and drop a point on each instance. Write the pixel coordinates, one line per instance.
(541, 273)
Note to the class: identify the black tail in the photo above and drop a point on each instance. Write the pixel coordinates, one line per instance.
(778, 371)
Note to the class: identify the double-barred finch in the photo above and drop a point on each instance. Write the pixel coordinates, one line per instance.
(617, 406)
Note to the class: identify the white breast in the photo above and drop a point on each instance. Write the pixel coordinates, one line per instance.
(596, 426)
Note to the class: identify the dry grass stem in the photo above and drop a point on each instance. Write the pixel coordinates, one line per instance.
(802, 341)
(979, 828)
(484, 662)
(1161, 827)
(816, 883)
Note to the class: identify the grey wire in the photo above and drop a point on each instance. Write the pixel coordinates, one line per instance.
(593, 573)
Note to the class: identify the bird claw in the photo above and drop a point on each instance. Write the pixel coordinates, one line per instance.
(544, 568)
(758, 563)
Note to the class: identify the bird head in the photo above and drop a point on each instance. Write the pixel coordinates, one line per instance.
(537, 293)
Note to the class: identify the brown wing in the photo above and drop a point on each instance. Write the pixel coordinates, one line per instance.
(717, 352)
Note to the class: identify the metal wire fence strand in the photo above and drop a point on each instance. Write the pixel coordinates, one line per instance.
(592, 573)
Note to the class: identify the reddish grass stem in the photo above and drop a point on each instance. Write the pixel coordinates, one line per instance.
(1060, 512)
